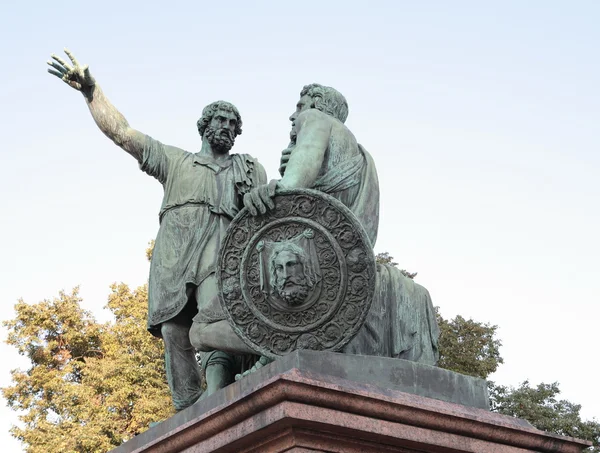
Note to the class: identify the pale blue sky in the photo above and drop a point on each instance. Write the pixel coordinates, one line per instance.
(482, 119)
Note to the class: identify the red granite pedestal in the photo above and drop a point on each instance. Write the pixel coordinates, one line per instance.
(304, 411)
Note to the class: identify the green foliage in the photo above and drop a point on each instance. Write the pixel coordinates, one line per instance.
(385, 258)
(468, 347)
(150, 249)
(539, 405)
(90, 386)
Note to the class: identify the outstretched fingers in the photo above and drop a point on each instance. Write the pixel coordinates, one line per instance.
(60, 75)
(71, 57)
(62, 62)
(60, 69)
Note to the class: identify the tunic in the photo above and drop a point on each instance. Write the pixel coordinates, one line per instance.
(201, 197)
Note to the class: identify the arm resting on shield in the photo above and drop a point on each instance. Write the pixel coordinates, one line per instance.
(302, 170)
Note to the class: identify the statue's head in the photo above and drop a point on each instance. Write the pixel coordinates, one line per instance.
(220, 124)
(326, 99)
(289, 278)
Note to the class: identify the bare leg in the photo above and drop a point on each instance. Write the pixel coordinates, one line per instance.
(219, 368)
(217, 377)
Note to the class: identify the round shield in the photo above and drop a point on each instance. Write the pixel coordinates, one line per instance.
(302, 276)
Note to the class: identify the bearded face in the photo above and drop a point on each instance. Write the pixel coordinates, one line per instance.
(294, 291)
(293, 135)
(219, 125)
(290, 282)
(221, 139)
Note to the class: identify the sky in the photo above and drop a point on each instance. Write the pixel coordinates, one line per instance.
(482, 119)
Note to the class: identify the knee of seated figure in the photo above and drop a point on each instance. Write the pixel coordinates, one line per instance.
(173, 333)
(198, 337)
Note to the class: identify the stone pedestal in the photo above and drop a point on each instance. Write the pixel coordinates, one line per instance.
(326, 402)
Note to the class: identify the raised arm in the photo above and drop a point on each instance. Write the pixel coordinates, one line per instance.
(314, 130)
(110, 121)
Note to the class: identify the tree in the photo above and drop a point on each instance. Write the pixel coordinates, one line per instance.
(468, 347)
(90, 386)
(386, 258)
(150, 249)
(539, 405)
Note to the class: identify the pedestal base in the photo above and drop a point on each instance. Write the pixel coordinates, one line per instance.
(295, 405)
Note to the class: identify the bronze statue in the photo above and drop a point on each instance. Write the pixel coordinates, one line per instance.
(203, 192)
(318, 292)
(324, 155)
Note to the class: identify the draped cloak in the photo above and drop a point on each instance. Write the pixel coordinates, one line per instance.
(354, 182)
(401, 322)
(201, 197)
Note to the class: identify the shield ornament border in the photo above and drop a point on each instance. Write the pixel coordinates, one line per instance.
(347, 275)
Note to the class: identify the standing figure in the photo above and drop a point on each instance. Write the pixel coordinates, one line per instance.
(203, 192)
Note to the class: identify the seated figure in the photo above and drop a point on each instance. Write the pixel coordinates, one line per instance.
(324, 155)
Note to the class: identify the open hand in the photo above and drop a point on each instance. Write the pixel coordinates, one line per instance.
(75, 76)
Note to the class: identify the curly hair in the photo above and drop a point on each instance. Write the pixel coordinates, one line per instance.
(211, 109)
(328, 100)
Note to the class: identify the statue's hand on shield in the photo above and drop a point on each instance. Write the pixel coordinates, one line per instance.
(259, 199)
(76, 76)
